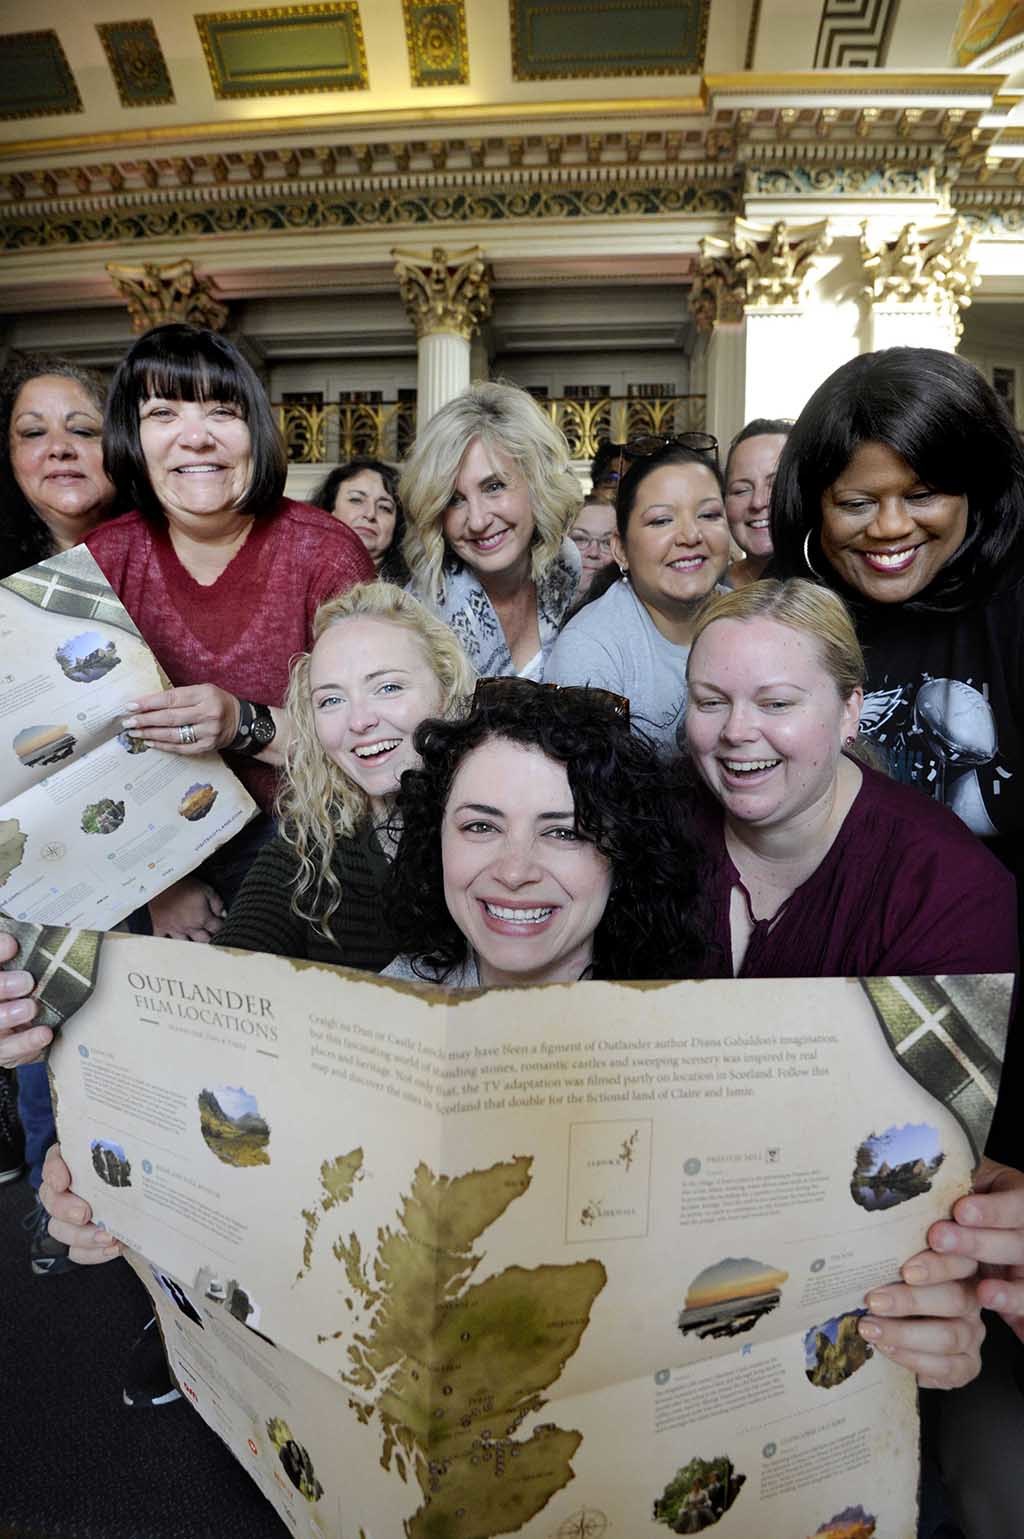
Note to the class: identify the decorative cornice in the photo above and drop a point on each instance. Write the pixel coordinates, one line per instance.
(757, 267)
(444, 290)
(931, 265)
(171, 291)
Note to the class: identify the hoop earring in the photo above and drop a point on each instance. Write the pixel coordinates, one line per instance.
(807, 556)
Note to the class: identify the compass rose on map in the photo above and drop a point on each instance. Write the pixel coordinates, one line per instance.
(588, 1523)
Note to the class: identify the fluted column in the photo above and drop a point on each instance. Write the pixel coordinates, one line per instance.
(447, 296)
(918, 282)
(747, 298)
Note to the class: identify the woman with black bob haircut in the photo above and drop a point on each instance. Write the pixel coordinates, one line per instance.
(542, 842)
(363, 493)
(220, 571)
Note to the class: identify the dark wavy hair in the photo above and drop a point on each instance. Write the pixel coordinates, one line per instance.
(625, 502)
(627, 801)
(393, 567)
(189, 363)
(939, 414)
(24, 537)
(758, 427)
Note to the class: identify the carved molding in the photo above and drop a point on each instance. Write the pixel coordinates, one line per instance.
(758, 266)
(168, 291)
(444, 290)
(928, 265)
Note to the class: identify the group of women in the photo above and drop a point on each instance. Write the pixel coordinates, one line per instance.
(692, 800)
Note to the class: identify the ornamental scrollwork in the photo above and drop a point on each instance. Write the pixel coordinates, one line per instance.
(924, 264)
(444, 290)
(757, 266)
(169, 291)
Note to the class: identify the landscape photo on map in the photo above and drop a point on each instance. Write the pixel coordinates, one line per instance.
(851, 1523)
(698, 1495)
(895, 1166)
(295, 1460)
(36, 746)
(835, 1350)
(132, 744)
(197, 801)
(110, 1162)
(102, 817)
(232, 1126)
(730, 1297)
(87, 657)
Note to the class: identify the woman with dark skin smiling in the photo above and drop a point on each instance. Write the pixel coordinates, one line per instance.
(53, 485)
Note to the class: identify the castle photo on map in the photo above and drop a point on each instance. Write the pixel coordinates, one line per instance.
(835, 1350)
(730, 1297)
(895, 1166)
(86, 657)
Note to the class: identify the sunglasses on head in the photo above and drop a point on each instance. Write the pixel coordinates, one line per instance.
(506, 687)
(649, 444)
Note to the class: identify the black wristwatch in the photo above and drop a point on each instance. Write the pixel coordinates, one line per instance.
(256, 729)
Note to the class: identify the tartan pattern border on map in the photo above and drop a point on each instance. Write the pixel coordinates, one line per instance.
(63, 963)
(72, 584)
(950, 1035)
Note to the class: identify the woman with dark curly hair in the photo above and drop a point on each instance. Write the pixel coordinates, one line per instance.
(53, 486)
(363, 494)
(541, 843)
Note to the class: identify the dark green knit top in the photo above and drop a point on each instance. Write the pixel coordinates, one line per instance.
(262, 919)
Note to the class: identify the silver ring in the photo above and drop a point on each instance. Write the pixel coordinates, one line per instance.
(186, 734)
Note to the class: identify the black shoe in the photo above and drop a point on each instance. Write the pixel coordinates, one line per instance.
(148, 1380)
(48, 1256)
(12, 1140)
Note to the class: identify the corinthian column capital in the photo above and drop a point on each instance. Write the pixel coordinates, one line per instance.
(759, 265)
(444, 291)
(168, 291)
(933, 266)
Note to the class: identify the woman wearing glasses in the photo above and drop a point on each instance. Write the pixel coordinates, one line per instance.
(488, 495)
(671, 547)
(592, 536)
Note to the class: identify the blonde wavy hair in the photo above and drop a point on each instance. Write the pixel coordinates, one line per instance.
(803, 606)
(317, 803)
(505, 418)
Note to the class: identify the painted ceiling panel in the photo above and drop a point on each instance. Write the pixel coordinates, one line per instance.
(136, 63)
(35, 78)
(579, 39)
(436, 38)
(285, 50)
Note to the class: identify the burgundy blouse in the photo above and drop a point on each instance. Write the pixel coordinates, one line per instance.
(905, 889)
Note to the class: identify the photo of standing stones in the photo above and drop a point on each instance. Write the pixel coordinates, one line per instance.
(85, 658)
(730, 1297)
(36, 746)
(698, 1495)
(110, 1162)
(895, 1166)
(232, 1126)
(102, 817)
(196, 802)
(295, 1461)
(851, 1523)
(132, 744)
(835, 1350)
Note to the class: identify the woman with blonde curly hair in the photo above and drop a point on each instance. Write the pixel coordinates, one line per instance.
(489, 496)
(380, 664)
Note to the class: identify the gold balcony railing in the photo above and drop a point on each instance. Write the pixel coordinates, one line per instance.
(317, 435)
(620, 418)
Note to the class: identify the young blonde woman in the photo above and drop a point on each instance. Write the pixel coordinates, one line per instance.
(489, 495)
(380, 664)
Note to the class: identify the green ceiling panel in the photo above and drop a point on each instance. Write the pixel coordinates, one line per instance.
(435, 35)
(136, 63)
(581, 39)
(35, 77)
(285, 49)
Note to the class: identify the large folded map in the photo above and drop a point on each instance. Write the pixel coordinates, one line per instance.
(92, 822)
(568, 1261)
